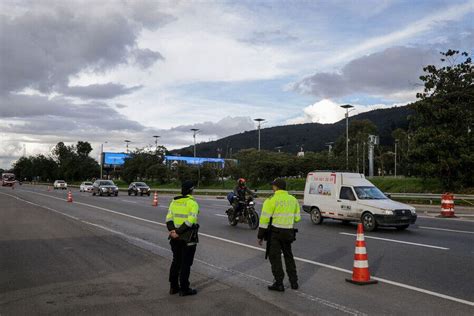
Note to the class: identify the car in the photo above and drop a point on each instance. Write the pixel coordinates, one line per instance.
(60, 185)
(86, 187)
(350, 197)
(104, 187)
(139, 188)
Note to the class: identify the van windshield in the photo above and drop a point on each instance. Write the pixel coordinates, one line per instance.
(369, 193)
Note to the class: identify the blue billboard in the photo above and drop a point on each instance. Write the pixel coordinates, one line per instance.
(115, 159)
(195, 160)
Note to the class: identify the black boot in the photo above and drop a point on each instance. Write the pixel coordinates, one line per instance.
(294, 285)
(187, 292)
(277, 287)
(174, 290)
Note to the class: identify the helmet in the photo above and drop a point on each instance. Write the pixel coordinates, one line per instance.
(241, 182)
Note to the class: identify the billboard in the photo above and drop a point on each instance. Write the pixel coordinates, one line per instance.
(195, 160)
(114, 159)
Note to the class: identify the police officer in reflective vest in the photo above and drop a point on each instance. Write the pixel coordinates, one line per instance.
(182, 223)
(279, 214)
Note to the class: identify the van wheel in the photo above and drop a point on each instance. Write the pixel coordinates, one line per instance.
(369, 222)
(316, 217)
(402, 227)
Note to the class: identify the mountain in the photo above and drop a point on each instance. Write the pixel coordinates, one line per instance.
(313, 136)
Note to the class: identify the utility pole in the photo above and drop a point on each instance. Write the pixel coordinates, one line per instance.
(329, 145)
(357, 146)
(195, 131)
(259, 120)
(347, 107)
(373, 140)
(102, 159)
(363, 157)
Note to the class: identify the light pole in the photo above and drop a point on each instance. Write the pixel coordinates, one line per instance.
(126, 143)
(195, 131)
(347, 107)
(329, 145)
(102, 159)
(259, 120)
(396, 145)
(156, 143)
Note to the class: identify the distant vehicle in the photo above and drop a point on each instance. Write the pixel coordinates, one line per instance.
(86, 187)
(350, 197)
(8, 179)
(60, 185)
(139, 188)
(104, 187)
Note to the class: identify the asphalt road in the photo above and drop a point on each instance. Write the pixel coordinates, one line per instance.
(425, 269)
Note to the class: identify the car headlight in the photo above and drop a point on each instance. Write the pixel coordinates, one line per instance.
(388, 212)
(104, 189)
(413, 211)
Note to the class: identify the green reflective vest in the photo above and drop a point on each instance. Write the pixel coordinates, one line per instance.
(282, 208)
(183, 211)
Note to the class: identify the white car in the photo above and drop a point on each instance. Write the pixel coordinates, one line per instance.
(60, 185)
(350, 197)
(85, 187)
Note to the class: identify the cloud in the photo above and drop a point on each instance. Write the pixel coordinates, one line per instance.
(222, 128)
(44, 45)
(327, 111)
(99, 91)
(390, 71)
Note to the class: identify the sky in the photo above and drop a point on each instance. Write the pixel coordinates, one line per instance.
(107, 71)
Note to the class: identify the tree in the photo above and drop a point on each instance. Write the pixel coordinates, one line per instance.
(443, 145)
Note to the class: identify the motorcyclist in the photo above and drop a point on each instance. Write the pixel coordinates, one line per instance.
(240, 195)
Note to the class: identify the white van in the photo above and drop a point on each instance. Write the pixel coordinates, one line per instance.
(350, 197)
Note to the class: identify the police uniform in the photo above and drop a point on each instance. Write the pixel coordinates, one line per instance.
(279, 214)
(183, 218)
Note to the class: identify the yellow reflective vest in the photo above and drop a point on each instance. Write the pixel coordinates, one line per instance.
(282, 208)
(183, 210)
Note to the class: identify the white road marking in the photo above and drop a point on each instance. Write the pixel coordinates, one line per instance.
(447, 230)
(127, 201)
(221, 215)
(447, 219)
(321, 301)
(399, 241)
(402, 285)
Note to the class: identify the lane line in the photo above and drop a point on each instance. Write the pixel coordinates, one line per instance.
(399, 241)
(398, 284)
(321, 301)
(221, 215)
(127, 201)
(447, 230)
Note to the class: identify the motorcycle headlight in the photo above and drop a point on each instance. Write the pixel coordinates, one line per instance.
(251, 203)
(388, 212)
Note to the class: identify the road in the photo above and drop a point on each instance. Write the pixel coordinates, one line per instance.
(425, 269)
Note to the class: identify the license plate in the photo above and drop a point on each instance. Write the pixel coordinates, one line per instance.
(404, 218)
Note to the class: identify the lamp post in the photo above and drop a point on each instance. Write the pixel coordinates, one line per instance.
(347, 107)
(396, 145)
(329, 145)
(259, 120)
(102, 159)
(126, 143)
(156, 143)
(195, 131)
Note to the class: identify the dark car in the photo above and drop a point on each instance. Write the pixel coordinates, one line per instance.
(139, 188)
(104, 187)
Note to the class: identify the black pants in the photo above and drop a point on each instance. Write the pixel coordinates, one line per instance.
(281, 241)
(183, 257)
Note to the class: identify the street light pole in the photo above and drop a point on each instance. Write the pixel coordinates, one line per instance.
(102, 160)
(259, 120)
(396, 143)
(195, 131)
(347, 107)
(156, 143)
(126, 143)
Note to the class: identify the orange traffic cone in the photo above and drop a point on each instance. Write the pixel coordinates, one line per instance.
(155, 199)
(69, 197)
(447, 205)
(360, 271)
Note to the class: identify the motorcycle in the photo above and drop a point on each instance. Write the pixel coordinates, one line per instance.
(246, 215)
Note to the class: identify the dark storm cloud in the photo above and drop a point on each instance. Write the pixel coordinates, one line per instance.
(392, 70)
(99, 91)
(45, 45)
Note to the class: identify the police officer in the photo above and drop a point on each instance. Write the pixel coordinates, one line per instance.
(181, 221)
(279, 214)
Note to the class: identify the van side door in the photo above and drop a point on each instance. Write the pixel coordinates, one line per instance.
(347, 202)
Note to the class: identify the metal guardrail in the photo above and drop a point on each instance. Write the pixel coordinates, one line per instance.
(421, 196)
